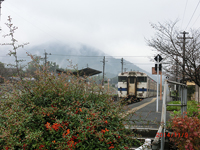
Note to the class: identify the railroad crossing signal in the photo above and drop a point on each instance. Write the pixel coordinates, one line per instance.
(159, 59)
(160, 67)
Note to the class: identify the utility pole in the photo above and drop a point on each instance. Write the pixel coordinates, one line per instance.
(45, 57)
(122, 62)
(103, 70)
(184, 39)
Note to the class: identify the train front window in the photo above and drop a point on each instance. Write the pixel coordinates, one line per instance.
(142, 79)
(132, 79)
(122, 79)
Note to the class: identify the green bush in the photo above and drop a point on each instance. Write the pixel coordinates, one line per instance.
(172, 108)
(192, 109)
(59, 112)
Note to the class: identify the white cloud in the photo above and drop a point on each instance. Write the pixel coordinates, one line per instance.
(114, 26)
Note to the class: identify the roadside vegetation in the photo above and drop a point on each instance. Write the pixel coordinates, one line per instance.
(186, 129)
(58, 111)
(55, 113)
(192, 109)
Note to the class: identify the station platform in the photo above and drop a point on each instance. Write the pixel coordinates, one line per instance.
(143, 114)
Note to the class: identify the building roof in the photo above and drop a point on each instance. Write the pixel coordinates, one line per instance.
(83, 72)
(190, 83)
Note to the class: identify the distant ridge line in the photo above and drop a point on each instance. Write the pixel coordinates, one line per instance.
(98, 56)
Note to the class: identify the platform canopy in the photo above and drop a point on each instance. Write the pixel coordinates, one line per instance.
(83, 72)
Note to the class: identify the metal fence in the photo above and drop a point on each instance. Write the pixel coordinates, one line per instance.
(172, 91)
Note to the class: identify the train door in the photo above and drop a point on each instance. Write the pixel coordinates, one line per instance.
(132, 86)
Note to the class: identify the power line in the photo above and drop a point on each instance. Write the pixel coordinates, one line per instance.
(97, 56)
(184, 13)
(193, 14)
(89, 56)
(196, 20)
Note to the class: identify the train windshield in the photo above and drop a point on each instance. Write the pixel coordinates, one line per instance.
(122, 79)
(142, 79)
(132, 79)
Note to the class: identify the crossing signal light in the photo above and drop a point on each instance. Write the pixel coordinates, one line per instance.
(160, 67)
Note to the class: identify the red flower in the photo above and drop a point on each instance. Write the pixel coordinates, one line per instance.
(56, 126)
(106, 129)
(73, 138)
(7, 147)
(112, 146)
(41, 146)
(52, 106)
(65, 123)
(71, 144)
(68, 132)
(54, 141)
(103, 131)
(24, 146)
(77, 110)
(48, 125)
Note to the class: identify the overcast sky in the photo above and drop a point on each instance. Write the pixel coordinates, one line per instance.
(116, 27)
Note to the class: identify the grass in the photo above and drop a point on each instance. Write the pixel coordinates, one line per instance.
(192, 108)
(172, 108)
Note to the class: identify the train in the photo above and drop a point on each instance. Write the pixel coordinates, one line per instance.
(136, 86)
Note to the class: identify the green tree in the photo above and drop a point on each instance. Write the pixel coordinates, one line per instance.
(33, 65)
(53, 66)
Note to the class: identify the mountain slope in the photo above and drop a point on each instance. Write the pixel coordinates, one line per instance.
(83, 56)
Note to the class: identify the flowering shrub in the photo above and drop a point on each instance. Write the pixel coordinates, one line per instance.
(187, 132)
(61, 112)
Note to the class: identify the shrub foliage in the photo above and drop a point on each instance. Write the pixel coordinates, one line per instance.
(60, 112)
(187, 132)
